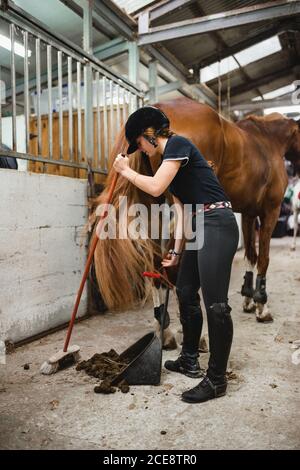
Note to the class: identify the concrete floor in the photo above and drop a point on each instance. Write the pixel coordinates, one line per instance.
(260, 411)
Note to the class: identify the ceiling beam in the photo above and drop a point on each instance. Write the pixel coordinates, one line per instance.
(164, 89)
(111, 48)
(123, 24)
(101, 26)
(178, 70)
(225, 20)
(258, 105)
(221, 44)
(158, 10)
(238, 47)
(264, 80)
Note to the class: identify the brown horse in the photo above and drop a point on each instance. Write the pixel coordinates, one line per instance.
(248, 160)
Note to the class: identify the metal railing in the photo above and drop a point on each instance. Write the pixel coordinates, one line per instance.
(75, 104)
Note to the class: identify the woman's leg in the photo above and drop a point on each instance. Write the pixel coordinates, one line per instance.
(191, 319)
(214, 263)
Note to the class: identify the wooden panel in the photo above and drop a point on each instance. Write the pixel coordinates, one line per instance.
(38, 167)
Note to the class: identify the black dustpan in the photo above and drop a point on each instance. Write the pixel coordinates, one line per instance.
(144, 357)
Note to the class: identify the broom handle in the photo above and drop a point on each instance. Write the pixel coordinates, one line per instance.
(89, 262)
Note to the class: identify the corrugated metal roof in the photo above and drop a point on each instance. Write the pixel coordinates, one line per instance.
(195, 49)
(130, 6)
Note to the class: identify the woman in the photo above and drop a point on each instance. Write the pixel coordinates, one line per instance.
(191, 181)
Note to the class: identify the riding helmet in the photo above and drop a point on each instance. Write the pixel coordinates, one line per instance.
(140, 120)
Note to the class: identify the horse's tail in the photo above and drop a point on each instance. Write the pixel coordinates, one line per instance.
(248, 225)
(119, 263)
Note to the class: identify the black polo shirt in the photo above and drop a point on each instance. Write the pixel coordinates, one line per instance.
(195, 182)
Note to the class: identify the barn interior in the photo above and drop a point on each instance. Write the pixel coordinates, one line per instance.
(71, 73)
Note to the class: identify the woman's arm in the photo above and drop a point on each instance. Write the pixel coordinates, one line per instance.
(154, 185)
(173, 259)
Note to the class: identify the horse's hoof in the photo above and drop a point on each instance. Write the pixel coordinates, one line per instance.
(248, 305)
(170, 345)
(265, 319)
(250, 309)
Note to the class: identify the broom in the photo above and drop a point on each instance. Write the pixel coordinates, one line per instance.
(70, 355)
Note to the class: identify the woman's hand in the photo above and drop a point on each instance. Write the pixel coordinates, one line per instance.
(170, 260)
(121, 163)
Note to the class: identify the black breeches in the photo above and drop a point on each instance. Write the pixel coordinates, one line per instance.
(210, 266)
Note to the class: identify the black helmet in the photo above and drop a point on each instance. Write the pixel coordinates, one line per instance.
(140, 120)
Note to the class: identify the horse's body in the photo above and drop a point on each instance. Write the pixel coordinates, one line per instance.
(248, 160)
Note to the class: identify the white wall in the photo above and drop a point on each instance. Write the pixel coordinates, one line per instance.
(41, 260)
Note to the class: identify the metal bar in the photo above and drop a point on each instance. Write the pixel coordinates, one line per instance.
(102, 26)
(79, 141)
(273, 103)
(60, 101)
(102, 11)
(163, 8)
(38, 92)
(221, 21)
(88, 114)
(112, 52)
(133, 62)
(105, 124)
(33, 158)
(162, 90)
(263, 80)
(26, 91)
(140, 102)
(25, 21)
(87, 26)
(131, 103)
(1, 107)
(111, 49)
(153, 81)
(124, 106)
(143, 22)
(13, 86)
(118, 109)
(111, 97)
(107, 45)
(168, 61)
(50, 115)
(70, 108)
(98, 120)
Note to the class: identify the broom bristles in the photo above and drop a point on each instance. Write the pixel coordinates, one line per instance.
(60, 360)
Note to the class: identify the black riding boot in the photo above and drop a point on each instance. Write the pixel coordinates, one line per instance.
(187, 363)
(220, 330)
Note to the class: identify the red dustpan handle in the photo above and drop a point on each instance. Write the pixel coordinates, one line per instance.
(89, 262)
(163, 278)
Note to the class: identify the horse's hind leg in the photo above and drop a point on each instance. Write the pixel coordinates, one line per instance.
(248, 226)
(247, 291)
(260, 297)
(296, 214)
(169, 341)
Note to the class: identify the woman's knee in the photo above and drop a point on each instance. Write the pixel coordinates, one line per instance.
(188, 295)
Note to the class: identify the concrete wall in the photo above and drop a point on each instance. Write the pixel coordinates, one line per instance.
(41, 257)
